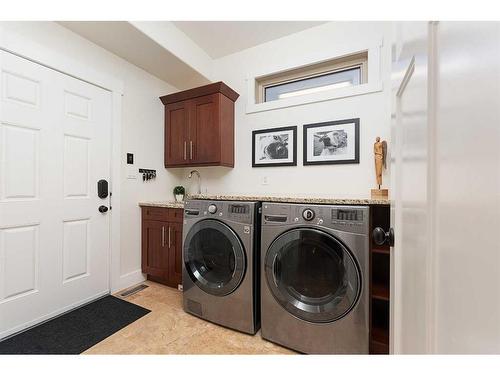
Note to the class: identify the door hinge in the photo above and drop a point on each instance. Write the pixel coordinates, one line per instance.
(110, 198)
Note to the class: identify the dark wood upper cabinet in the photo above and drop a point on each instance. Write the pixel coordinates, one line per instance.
(199, 126)
(176, 115)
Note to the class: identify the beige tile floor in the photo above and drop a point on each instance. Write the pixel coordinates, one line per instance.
(167, 329)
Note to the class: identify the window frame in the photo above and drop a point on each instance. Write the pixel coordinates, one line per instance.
(351, 61)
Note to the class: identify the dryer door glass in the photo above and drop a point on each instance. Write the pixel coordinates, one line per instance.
(214, 257)
(312, 275)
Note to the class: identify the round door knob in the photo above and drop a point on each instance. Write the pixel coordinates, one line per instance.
(308, 214)
(212, 208)
(103, 209)
(381, 237)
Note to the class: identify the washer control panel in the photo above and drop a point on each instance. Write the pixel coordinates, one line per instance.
(240, 209)
(242, 212)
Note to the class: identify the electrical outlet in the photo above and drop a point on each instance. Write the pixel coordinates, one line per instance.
(265, 180)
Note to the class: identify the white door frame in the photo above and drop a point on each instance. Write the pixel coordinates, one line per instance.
(28, 49)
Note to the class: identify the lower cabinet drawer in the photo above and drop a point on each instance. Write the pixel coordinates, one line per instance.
(163, 214)
(155, 213)
(175, 214)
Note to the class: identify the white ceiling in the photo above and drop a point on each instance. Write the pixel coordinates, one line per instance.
(221, 38)
(213, 39)
(124, 40)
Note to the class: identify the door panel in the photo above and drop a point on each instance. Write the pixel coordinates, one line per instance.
(175, 254)
(467, 209)
(54, 146)
(204, 130)
(155, 252)
(409, 207)
(85, 116)
(176, 124)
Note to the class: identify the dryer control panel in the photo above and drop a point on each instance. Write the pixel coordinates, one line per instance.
(347, 214)
(347, 218)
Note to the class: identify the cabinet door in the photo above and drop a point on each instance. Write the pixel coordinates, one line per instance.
(154, 250)
(204, 130)
(175, 254)
(176, 128)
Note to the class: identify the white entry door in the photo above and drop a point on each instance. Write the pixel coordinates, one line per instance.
(54, 148)
(410, 205)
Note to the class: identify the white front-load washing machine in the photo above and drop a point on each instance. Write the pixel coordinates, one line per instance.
(314, 277)
(220, 275)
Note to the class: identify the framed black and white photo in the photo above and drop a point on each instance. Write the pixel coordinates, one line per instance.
(333, 142)
(275, 147)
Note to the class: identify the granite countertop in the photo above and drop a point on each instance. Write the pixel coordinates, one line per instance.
(311, 200)
(164, 204)
(258, 198)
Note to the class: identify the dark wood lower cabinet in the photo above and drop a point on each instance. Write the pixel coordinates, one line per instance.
(175, 254)
(162, 245)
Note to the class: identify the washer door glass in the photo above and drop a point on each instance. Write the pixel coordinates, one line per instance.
(214, 257)
(312, 275)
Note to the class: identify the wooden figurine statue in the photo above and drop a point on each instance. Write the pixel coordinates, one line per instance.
(380, 153)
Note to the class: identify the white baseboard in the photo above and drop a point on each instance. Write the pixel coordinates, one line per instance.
(128, 280)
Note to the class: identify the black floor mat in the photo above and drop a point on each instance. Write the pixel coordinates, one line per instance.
(76, 331)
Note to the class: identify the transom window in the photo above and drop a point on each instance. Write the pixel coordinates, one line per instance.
(341, 72)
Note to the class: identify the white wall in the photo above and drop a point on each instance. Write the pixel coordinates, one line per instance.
(142, 121)
(372, 109)
(142, 129)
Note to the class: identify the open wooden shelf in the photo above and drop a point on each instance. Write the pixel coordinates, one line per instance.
(379, 342)
(379, 283)
(381, 250)
(380, 291)
(379, 348)
(380, 335)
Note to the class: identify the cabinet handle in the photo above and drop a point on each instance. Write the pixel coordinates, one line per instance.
(191, 150)
(162, 236)
(169, 241)
(185, 150)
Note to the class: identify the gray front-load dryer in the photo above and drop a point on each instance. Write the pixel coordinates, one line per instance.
(314, 277)
(220, 274)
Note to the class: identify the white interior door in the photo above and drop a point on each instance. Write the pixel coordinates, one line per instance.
(410, 216)
(467, 304)
(54, 147)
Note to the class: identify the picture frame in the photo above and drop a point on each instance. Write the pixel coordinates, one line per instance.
(331, 142)
(275, 147)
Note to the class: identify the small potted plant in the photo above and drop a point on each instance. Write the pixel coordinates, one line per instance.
(179, 192)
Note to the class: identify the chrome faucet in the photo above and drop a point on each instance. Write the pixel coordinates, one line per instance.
(199, 179)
